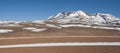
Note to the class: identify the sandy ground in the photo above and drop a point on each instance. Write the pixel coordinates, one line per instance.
(19, 32)
(46, 40)
(67, 49)
(60, 49)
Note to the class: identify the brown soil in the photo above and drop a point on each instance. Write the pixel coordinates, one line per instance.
(67, 49)
(72, 31)
(46, 40)
(19, 32)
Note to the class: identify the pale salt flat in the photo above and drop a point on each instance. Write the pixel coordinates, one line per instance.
(5, 30)
(60, 37)
(63, 44)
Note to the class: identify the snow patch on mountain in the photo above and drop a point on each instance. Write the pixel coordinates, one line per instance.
(33, 29)
(53, 26)
(5, 30)
(117, 28)
(74, 25)
(39, 30)
(39, 21)
(29, 28)
(4, 22)
(104, 27)
(10, 23)
(88, 26)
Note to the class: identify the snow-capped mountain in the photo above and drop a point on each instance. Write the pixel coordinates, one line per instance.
(85, 18)
(63, 21)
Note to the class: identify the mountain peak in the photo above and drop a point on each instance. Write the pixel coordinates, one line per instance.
(83, 17)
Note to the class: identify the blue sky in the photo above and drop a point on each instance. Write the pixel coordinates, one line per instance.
(21, 10)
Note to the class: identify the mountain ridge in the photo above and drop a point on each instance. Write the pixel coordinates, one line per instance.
(76, 17)
(83, 17)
